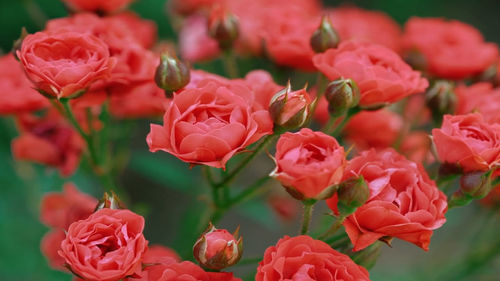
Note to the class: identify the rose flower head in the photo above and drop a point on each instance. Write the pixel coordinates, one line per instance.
(64, 64)
(309, 164)
(217, 248)
(405, 202)
(107, 246)
(98, 6)
(304, 258)
(469, 141)
(381, 75)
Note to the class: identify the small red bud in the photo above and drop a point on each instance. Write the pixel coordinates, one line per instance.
(217, 248)
(473, 185)
(171, 74)
(324, 37)
(341, 95)
(223, 26)
(352, 194)
(290, 110)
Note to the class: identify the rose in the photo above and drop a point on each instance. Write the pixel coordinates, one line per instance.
(48, 140)
(405, 202)
(62, 64)
(381, 75)
(467, 140)
(290, 109)
(309, 164)
(353, 23)
(210, 123)
(61, 209)
(143, 31)
(17, 95)
(417, 147)
(287, 37)
(107, 6)
(362, 129)
(107, 246)
(451, 49)
(185, 271)
(156, 256)
(217, 248)
(304, 258)
(50, 246)
(191, 6)
(479, 97)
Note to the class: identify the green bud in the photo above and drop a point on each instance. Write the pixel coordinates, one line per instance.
(171, 74)
(352, 194)
(473, 185)
(341, 95)
(324, 37)
(223, 26)
(441, 99)
(290, 109)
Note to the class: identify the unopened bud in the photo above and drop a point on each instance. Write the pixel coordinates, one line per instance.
(171, 74)
(368, 256)
(324, 37)
(474, 185)
(217, 248)
(223, 26)
(290, 110)
(352, 194)
(110, 201)
(19, 42)
(341, 95)
(440, 99)
(416, 59)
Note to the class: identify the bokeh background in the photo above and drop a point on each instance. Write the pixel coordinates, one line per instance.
(171, 196)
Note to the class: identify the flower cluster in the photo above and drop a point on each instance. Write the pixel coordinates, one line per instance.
(393, 118)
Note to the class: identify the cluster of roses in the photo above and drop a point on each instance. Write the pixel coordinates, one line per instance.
(89, 66)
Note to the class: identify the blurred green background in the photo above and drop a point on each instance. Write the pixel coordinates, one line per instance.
(168, 193)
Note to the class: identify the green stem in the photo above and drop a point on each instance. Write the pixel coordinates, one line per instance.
(328, 127)
(336, 226)
(232, 175)
(249, 192)
(350, 113)
(306, 221)
(230, 65)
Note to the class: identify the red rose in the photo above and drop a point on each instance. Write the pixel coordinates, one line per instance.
(134, 65)
(480, 97)
(48, 140)
(304, 258)
(191, 6)
(51, 245)
(353, 23)
(451, 49)
(382, 76)
(107, 246)
(145, 100)
(61, 209)
(62, 64)
(403, 203)
(107, 6)
(287, 38)
(309, 163)
(377, 129)
(186, 271)
(194, 43)
(143, 31)
(262, 84)
(210, 123)
(467, 140)
(155, 256)
(17, 95)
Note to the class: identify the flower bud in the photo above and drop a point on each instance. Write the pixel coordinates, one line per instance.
(440, 99)
(368, 256)
(341, 95)
(217, 248)
(290, 110)
(110, 201)
(223, 26)
(352, 194)
(171, 74)
(19, 42)
(324, 37)
(473, 185)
